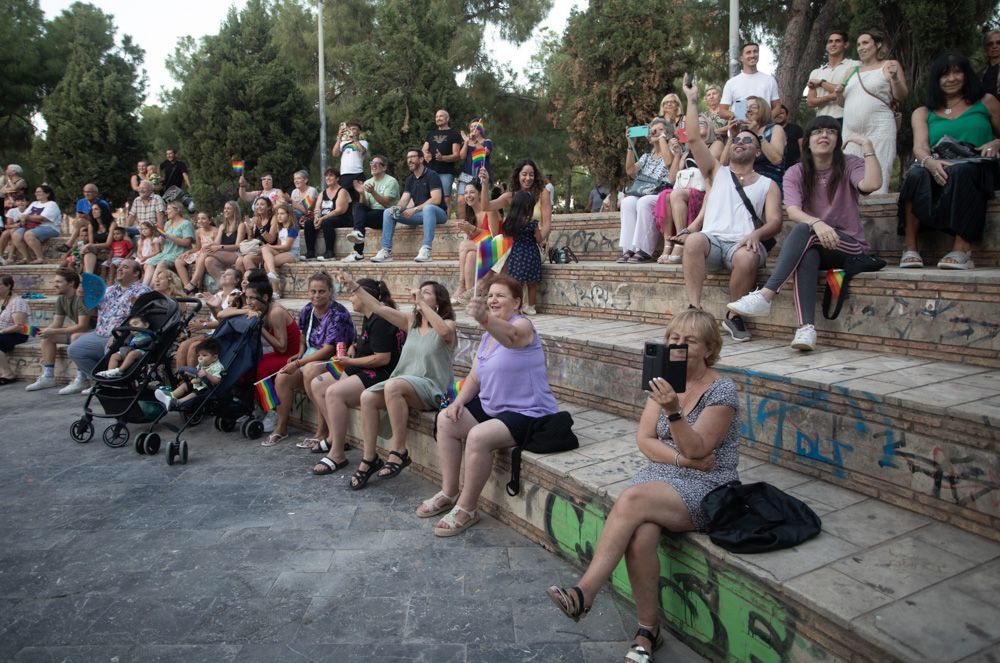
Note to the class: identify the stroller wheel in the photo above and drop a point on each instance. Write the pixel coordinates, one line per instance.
(184, 452)
(254, 428)
(228, 425)
(116, 435)
(140, 443)
(82, 431)
(171, 452)
(196, 419)
(152, 444)
(218, 423)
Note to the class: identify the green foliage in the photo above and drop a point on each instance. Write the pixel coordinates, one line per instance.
(23, 73)
(240, 101)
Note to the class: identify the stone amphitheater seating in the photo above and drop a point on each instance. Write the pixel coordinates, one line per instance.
(889, 431)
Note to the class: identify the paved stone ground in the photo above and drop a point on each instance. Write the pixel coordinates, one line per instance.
(106, 555)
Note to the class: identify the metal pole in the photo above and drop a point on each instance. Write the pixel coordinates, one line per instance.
(734, 37)
(322, 93)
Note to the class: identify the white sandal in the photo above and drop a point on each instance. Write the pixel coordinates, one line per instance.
(455, 528)
(434, 505)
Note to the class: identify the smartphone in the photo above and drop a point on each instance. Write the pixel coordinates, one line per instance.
(740, 109)
(638, 132)
(665, 361)
(688, 80)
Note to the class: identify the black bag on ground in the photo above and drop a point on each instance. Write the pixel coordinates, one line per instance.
(757, 517)
(837, 280)
(546, 435)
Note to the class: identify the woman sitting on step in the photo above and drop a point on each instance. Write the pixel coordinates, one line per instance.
(692, 442)
(420, 380)
(506, 390)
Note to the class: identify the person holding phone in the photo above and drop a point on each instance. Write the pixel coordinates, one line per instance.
(653, 173)
(692, 442)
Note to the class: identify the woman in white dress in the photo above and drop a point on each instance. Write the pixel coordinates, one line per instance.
(867, 97)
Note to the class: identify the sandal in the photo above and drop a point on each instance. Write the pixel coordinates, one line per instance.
(956, 260)
(392, 468)
(572, 606)
(307, 443)
(640, 257)
(637, 653)
(625, 256)
(911, 260)
(434, 506)
(454, 528)
(322, 447)
(191, 289)
(360, 477)
(329, 466)
(273, 439)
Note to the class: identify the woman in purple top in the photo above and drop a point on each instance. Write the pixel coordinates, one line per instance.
(821, 196)
(504, 392)
(324, 323)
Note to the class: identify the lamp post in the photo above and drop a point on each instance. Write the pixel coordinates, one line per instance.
(322, 91)
(734, 37)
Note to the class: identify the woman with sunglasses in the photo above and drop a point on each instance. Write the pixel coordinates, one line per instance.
(378, 193)
(821, 196)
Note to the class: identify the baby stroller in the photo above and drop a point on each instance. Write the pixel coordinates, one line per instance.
(128, 398)
(231, 400)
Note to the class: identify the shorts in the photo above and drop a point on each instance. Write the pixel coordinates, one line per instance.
(9, 341)
(447, 179)
(123, 352)
(114, 261)
(517, 423)
(721, 251)
(41, 233)
(368, 376)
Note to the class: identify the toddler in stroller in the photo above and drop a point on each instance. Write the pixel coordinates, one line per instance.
(133, 350)
(209, 370)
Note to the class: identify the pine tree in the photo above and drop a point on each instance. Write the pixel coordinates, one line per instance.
(22, 73)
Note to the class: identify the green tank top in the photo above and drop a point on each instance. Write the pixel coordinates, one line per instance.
(972, 126)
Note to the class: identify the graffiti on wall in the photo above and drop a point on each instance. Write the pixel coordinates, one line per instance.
(587, 241)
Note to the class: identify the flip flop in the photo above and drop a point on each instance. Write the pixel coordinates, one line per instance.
(273, 439)
(307, 443)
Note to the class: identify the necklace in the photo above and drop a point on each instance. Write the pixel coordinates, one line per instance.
(949, 109)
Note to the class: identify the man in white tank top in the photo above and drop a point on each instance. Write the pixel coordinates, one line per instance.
(728, 236)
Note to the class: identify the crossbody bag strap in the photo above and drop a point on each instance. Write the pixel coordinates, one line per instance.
(861, 82)
(757, 223)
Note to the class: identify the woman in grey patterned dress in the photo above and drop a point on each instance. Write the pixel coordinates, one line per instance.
(692, 442)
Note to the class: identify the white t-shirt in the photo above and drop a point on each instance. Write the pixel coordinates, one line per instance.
(745, 85)
(352, 161)
(835, 75)
(13, 214)
(726, 217)
(49, 210)
(292, 232)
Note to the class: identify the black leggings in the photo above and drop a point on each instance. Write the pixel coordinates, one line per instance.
(803, 256)
(365, 217)
(329, 236)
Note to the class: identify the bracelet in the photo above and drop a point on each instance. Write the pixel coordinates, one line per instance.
(925, 160)
(868, 154)
(677, 459)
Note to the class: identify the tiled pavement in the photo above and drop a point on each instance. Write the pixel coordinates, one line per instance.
(243, 555)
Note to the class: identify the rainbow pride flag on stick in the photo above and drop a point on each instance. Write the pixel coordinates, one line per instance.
(454, 388)
(478, 158)
(29, 330)
(490, 251)
(237, 167)
(267, 394)
(335, 369)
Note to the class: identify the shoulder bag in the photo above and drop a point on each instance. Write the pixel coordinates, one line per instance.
(893, 105)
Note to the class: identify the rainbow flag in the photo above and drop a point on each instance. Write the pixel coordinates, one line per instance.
(161, 231)
(835, 279)
(490, 250)
(478, 158)
(267, 395)
(335, 369)
(307, 202)
(29, 330)
(454, 388)
(237, 167)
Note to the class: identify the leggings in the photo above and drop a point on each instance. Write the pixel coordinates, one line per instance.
(365, 217)
(803, 256)
(329, 236)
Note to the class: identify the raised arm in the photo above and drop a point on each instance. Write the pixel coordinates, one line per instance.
(391, 315)
(444, 328)
(707, 164)
(517, 334)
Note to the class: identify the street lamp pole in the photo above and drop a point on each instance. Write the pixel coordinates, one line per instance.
(322, 92)
(734, 37)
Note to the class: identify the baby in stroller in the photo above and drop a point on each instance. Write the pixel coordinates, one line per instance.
(134, 349)
(209, 370)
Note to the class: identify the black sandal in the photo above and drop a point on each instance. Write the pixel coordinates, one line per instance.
(637, 652)
(330, 466)
(361, 477)
(394, 467)
(191, 289)
(575, 610)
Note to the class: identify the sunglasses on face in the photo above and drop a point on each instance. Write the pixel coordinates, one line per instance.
(743, 140)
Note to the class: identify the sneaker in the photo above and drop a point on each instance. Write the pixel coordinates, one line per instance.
(271, 276)
(320, 258)
(309, 258)
(529, 310)
(165, 399)
(75, 387)
(424, 254)
(356, 237)
(383, 255)
(110, 373)
(87, 392)
(270, 421)
(328, 256)
(752, 305)
(805, 338)
(41, 383)
(354, 256)
(734, 325)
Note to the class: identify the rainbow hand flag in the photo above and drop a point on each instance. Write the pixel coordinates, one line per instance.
(307, 202)
(335, 369)
(267, 395)
(237, 167)
(29, 330)
(490, 251)
(454, 388)
(835, 280)
(478, 158)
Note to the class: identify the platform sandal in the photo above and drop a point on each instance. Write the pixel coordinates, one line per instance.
(572, 606)
(436, 505)
(454, 528)
(393, 468)
(637, 653)
(360, 477)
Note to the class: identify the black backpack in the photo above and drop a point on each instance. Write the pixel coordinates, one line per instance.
(757, 517)
(546, 435)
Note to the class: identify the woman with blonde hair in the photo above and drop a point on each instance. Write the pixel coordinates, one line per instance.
(671, 108)
(771, 160)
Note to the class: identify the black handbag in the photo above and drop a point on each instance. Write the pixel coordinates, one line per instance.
(546, 435)
(757, 223)
(837, 280)
(757, 517)
(562, 256)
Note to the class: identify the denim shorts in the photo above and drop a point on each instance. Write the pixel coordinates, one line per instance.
(41, 233)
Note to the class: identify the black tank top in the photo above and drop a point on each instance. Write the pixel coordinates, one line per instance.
(229, 239)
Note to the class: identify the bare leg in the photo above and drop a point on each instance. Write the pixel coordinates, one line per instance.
(182, 272)
(695, 251)
(341, 396)
(399, 398)
(20, 246)
(90, 262)
(450, 435)
(309, 373)
(912, 225)
(371, 403)
(744, 274)
(643, 565)
(466, 269)
(532, 290)
(35, 246)
(286, 384)
(147, 273)
(482, 441)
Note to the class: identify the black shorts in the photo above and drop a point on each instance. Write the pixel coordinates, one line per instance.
(368, 376)
(9, 341)
(517, 423)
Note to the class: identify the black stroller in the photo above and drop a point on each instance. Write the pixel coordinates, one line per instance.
(230, 401)
(129, 398)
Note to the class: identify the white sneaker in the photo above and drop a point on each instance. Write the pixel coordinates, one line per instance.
(270, 421)
(805, 338)
(41, 383)
(164, 398)
(356, 237)
(75, 387)
(110, 373)
(751, 305)
(354, 256)
(529, 310)
(383, 255)
(271, 276)
(424, 254)
(88, 391)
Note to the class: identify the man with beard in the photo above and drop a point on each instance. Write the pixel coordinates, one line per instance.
(420, 205)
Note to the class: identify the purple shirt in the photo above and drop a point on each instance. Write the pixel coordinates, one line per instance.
(514, 379)
(336, 326)
(843, 212)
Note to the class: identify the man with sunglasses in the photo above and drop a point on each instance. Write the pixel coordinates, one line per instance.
(991, 73)
(823, 81)
(742, 212)
(379, 192)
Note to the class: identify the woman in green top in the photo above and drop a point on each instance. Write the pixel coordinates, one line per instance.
(950, 196)
(177, 235)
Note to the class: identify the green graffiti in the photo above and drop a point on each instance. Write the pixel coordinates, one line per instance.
(720, 614)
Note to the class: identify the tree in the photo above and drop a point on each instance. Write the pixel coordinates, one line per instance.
(23, 73)
(240, 101)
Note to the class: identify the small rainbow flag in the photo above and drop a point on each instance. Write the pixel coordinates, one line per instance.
(161, 231)
(478, 158)
(454, 388)
(835, 279)
(489, 252)
(335, 369)
(267, 395)
(307, 202)
(237, 167)
(29, 330)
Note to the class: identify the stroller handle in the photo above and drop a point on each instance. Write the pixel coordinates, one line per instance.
(192, 313)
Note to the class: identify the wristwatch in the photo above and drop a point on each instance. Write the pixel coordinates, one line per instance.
(676, 416)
